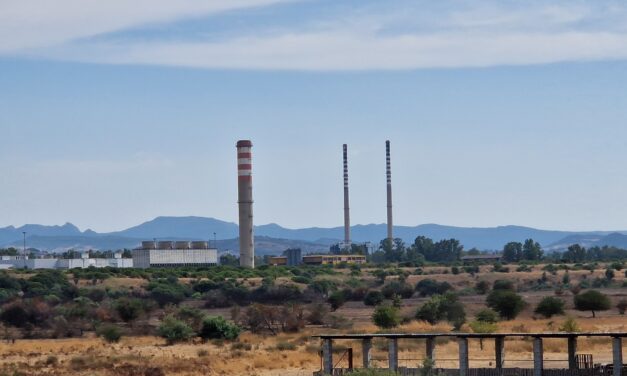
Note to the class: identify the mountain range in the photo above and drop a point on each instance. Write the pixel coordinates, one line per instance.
(273, 238)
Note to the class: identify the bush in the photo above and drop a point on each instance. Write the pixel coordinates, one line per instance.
(487, 315)
(337, 299)
(129, 309)
(550, 306)
(569, 326)
(429, 287)
(285, 346)
(503, 284)
(404, 290)
(174, 330)
(443, 307)
(592, 300)
(164, 295)
(482, 287)
(218, 328)
(110, 333)
(386, 317)
(507, 303)
(373, 298)
(622, 306)
(317, 314)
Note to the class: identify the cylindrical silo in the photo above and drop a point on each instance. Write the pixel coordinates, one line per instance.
(245, 202)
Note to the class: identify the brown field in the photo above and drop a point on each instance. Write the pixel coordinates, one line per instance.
(258, 355)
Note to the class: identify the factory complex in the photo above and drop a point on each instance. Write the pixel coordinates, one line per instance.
(166, 254)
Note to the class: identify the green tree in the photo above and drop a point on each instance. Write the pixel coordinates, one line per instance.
(506, 302)
(443, 307)
(550, 306)
(593, 301)
(373, 298)
(386, 317)
(424, 246)
(575, 253)
(532, 250)
(512, 252)
(129, 309)
(337, 299)
(487, 315)
(217, 327)
(109, 332)
(173, 330)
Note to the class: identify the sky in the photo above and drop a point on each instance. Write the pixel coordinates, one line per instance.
(499, 112)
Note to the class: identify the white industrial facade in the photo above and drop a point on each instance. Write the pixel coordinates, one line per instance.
(160, 258)
(55, 263)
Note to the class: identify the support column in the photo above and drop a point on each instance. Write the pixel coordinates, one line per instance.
(366, 345)
(327, 356)
(499, 351)
(463, 356)
(430, 348)
(393, 354)
(538, 356)
(350, 358)
(617, 353)
(572, 352)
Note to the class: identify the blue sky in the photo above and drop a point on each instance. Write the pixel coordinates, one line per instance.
(498, 112)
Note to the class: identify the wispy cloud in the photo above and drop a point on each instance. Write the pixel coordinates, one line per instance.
(375, 36)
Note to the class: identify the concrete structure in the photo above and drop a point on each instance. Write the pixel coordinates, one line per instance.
(245, 203)
(333, 259)
(347, 216)
(388, 173)
(574, 368)
(480, 259)
(179, 256)
(277, 260)
(57, 263)
(294, 256)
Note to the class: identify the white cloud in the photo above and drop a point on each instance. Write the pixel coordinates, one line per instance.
(31, 24)
(374, 37)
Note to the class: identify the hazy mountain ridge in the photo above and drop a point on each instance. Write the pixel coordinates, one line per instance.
(273, 236)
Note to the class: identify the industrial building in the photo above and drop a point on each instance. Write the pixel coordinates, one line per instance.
(245, 203)
(19, 262)
(333, 259)
(165, 254)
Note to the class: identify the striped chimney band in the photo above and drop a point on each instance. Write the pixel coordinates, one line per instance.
(244, 161)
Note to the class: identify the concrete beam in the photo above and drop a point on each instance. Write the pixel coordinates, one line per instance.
(617, 354)
(393, 354)
(463, 356)
(538, 356)
(499, 351)
(572, 352)
(327, 356)
(430, 348)
(366, 346)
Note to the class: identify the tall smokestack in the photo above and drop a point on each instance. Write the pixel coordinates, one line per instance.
(245, 202)
(347, 218)
(388, 173)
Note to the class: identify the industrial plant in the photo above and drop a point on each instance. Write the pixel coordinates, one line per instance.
(245, 202)
(167, 254)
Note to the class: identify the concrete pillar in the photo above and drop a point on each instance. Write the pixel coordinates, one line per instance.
(617, 353)
(499, 351)
(572, 352)
(393, 354)
(327, 356)
(463, 356)
(430, 348)
(366, 345)
(538, 356)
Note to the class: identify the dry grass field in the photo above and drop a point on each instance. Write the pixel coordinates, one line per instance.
(297, 353)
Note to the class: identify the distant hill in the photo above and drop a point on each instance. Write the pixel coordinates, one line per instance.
(614, 239)
(272, 237)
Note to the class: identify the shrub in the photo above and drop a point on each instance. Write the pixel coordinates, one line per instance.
(174, 330)
(482, 287)
(164, 294)
(443, 307)
(285, 346)
(301, 279)
(507, 303)
(550, 306)
(592, 300)
(404, 290)
(110, 333)
(337, 299)
(429, 287)
(129, 309)
(622, 306)
(386, 317)
(217, 327)
(373, 298)
(503, 284)
(570, 326)
(487, 315)
(317, 314)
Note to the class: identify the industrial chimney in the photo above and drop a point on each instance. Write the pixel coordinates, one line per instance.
(347, 219)
(388, 173)
(245, 202)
